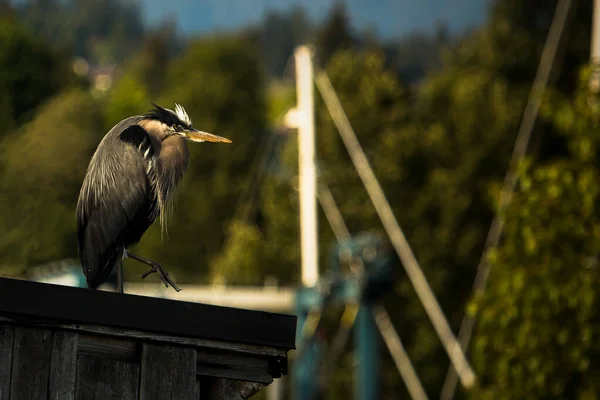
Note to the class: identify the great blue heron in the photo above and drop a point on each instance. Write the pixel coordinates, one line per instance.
(128, 184)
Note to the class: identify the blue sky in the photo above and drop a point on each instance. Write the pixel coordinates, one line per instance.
(388, 17)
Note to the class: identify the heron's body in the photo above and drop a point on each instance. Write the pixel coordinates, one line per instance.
(128, 185)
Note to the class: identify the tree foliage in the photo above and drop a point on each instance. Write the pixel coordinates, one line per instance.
(335, 33)
(536, 334)
(220, 83)
(277, 35)
(30, 74)
(43, 166)
(102, 31)
(440, 167)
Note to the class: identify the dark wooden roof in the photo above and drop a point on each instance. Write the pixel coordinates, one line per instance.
(33, 301)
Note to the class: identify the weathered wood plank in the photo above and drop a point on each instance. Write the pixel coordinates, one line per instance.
(96, 307)
(223, 371)
(32, 348)
(234, 359)
(100, 378)
(227, 389)
(63, 366)
(168, 373)
(115, 348)
(185, 341)
(235, 366)
(6, 352)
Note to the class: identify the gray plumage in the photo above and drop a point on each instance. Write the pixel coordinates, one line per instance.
(128, 184)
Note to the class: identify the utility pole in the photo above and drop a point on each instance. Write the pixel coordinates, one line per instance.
(304, 120)
(313, 297)
(306, 165)
(367, 345)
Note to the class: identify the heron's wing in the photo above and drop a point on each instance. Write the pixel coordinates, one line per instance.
(115, 199)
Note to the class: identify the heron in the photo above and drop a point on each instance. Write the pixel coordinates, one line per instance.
(129, 183)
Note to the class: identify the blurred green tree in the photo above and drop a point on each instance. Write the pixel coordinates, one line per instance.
(6, 10)
(272, 249)
(30, 73)
(142, 78)
(220, 83)
(537, 327)
(439, 167)
(465, 121)
(102, 31)
(415, 55)
(277, 34)
(335, 33)
(128, 97)
(42, 169)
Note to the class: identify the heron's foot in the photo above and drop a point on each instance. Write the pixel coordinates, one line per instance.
(155, 268)
(162, 274)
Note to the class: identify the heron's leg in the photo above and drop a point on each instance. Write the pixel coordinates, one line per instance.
(120, 276)
(156, 267)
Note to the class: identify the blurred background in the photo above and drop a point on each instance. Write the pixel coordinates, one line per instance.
(436, 92)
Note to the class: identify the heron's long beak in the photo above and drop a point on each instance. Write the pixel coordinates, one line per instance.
(194, 135)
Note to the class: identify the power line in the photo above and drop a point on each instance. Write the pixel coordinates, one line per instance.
(391, 338)
(332, 213)
(394, 231)
(547, 61)
(382, 319)
(251, 185)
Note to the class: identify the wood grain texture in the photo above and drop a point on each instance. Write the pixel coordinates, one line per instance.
(63, 366)
(100, 378)
(227, 389)
(106, 346)
(98, 330)
(30, 364)
(6, 352)
(178, 340)
(236, 366)
(168, 373)
(222, 371)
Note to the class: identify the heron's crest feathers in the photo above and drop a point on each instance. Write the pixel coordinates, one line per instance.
(170, 117)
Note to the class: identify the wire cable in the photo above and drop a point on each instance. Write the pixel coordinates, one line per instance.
(525, 131)
(399, 242)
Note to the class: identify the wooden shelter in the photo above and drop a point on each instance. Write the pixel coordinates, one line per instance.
(60, 343)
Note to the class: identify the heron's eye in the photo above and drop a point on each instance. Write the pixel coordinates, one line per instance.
(177, 128)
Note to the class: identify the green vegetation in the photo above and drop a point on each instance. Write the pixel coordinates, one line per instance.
(437, 117)
(544, 280)
(31, 73)
(43, 165)
(219, 82)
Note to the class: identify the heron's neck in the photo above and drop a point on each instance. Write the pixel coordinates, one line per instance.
(171, 163)
(173, 158)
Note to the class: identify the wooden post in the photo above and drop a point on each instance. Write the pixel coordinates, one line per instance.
(64, 343)
(168, 373)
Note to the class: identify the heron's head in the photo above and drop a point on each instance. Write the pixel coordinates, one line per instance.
(164, 123)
